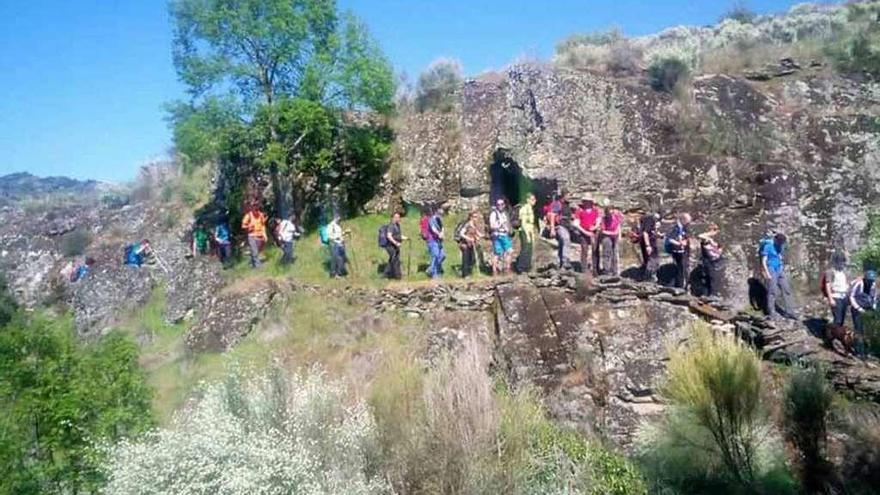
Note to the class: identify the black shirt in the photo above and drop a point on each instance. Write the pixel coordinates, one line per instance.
(648, 224)
(394, 230)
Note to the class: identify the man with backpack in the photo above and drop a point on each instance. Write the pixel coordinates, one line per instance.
(200, 240)
(502, 244)
(467, 233)
(773, 269)
(712, 259)
(390, 239)
(862, 298)
(288, 232)
(254, 223)
(527, 233)
(560, 223)
(138, 253)
(678, 245)
(432, 232)
(835, 287)
(336, 241)
(223, 239)
(649, 232)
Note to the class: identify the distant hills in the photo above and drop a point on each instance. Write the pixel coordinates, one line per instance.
(21, 185)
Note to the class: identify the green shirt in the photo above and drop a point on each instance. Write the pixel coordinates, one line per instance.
(527, 221)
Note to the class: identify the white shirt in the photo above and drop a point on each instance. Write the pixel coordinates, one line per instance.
(334, 232)
(286, 230)
(498, 222)
(838, 285)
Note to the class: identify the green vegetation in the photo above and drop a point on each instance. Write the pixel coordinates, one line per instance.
(75, 243)
(716, 434)
(608, 51)
(857, 48)
(59, 398)
(861, 448)
(807, 406)
(437, 86)
(274, 85)
(665, 74)
(740, 12)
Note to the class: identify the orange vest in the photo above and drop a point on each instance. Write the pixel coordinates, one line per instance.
(255, 224)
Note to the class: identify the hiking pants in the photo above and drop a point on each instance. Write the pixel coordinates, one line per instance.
(838, 311)
(650, 262)
(714, 279)
(287, 248)
(255, 244)
(587, 265)
(609, 255)
(337, 259)
(859, 330)
(778, 286)
(524, 260)
(224, 252)
(682, 267)
(563, 239)
(392, 269)
(468, 258)
(435, 249)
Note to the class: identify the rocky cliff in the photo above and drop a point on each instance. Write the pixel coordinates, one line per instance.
(797, 151)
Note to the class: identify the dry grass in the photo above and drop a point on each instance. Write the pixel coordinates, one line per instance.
(736, 59)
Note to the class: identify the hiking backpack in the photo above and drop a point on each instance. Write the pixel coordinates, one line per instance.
(459, 231)
(222, 233)
(425, 227)
(131, 257)
(515, 222)
(383, 236)
(324, 235)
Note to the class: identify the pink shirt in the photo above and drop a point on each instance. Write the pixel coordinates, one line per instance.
(587, 218)
(611, 224)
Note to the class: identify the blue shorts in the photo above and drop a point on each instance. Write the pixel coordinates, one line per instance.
(502, 244)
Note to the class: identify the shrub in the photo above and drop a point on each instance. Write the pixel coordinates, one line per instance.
(808, 399)
(716, 432)
(858, 46)
(861, 456)
(438, 85)
(665, 73)
(741, 13)
(267, 433)
(74, 243)
(608, 51)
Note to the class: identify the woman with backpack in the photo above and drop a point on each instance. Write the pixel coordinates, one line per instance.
(835, 287)
(391, 238)
(862, 298)
(466, 235)
(711, 259)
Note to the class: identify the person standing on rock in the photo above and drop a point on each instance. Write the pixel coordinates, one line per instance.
(254, 223)
(502, 244)
(712, 259)
(560, 223)
(610, 239)
(587, 225)
(338, 258)
(288, 232)
(394, 237)
(862, 298)
(527, 233)
(773, 270)
(678, 245)
(649, 228)
(835, 287)
(200, 240)
(434, 239)
(223, 239)
(468, 236)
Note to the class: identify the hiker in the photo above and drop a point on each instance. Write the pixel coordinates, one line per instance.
(432, 232)
(502, 244)
(137, 253)
(288, 232)
(862, 298)
(223, 239)
(649, 228)
(393, 239)
(527, 233)
(467, 235)
(560, 216)
(678, 245)
(609, 236)
(835, 287)
(712, 259)
(586, 222)
(254, 223)
(773, 270)
(336, 241)
(200, 240)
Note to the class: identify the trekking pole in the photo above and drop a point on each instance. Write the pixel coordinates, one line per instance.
(408, 257)
(162, 264)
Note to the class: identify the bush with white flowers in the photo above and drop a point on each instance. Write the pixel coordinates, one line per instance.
(260, 434)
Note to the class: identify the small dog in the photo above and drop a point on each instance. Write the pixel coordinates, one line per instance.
(841, 334)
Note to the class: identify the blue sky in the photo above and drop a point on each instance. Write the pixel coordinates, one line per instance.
(83, 83)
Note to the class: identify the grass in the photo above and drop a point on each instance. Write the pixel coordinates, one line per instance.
(304, 330)
(366, 258)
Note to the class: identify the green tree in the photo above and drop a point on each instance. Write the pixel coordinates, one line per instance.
(260, 55)
(58, 399)
(437, 85)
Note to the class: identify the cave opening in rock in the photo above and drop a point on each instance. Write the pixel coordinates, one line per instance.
(506, 179)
